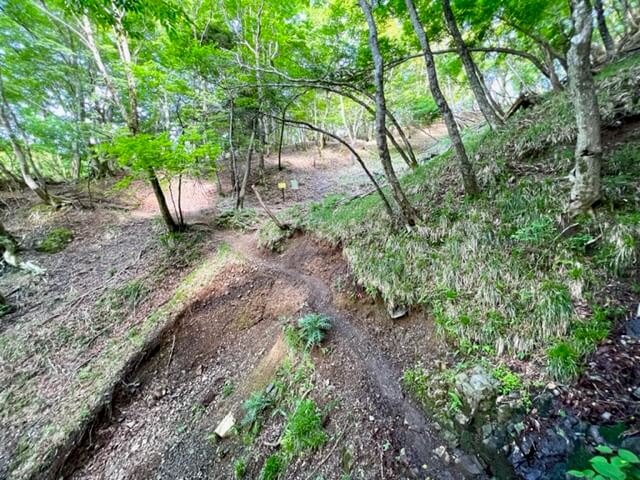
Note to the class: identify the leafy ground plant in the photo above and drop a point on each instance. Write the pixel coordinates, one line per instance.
(313, 329)
(620, 465)
(304, 429)
(56, 241)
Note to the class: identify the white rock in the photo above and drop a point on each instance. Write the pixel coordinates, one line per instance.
(225, 427)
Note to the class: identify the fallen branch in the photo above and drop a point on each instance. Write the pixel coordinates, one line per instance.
(281, 226)
(173, 345)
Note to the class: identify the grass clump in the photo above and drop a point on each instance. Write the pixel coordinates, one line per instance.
(239, 468)
(244, 219)
(181, 249)
(272, 237)
(304, 429)
(120, 301)
(563, 361)
(56, 241)
(273, 466)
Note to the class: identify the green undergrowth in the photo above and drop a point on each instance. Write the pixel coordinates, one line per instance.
(287, 400)
(243, 220)
(500, 273)
(272, 237)
(56, 241)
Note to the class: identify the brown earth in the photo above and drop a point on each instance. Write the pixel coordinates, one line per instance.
(162, 418)
(65, 318)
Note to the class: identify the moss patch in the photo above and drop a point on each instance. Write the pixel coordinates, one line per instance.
(56, 241)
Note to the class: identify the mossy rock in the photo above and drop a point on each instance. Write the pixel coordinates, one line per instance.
(56, 241)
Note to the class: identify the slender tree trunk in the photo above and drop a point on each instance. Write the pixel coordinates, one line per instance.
(607, 40)
(586, 174)
(408, 213)
(134, 121)
(10, 123)
(553, 75)
(247, 168)
(232, 151)
(489, 113)
(466, 169)
(164, 209)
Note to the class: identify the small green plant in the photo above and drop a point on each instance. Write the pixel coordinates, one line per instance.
(243, 220)
(240, 468)
(416, 381)
(536, 232)
(313, 329)
(622, 465)
(254, 407)
(56, 241)
(563, 361)
(304, 429)
(227, 388)
(272, 468)
(509, 381)
(455, 402)
(5, 307)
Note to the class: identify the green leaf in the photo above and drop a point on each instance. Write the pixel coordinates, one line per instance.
(604, 449)
(576, 473)
(603, 467)
(628, 456)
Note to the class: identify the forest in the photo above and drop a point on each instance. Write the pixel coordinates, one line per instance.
(339, 239)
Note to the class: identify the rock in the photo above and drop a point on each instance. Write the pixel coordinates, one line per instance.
(462, 419)
(632, 443)
(441, 452)
(526, 445)
(517, 457)
(476, 387)
(397, 311)
(606, 416)
(469, 464)
(633, 325)
(594, 434)
(225, 427)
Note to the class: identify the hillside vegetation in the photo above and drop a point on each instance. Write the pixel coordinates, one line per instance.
(504, 274)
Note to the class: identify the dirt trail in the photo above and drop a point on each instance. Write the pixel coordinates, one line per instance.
(161, 420)
(415, 431)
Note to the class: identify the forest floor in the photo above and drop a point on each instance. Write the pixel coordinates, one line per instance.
(133, 345)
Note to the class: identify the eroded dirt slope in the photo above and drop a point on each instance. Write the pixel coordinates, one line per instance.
(229, 345)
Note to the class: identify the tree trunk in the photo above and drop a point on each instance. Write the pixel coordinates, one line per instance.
(407, 212)
(232, 152)
(247, 168)
(11, 178)
(489, 113)
(586, 174)
(607, 40)
(133, 120)
(10, 123)
(162, 203)
(466, 169)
